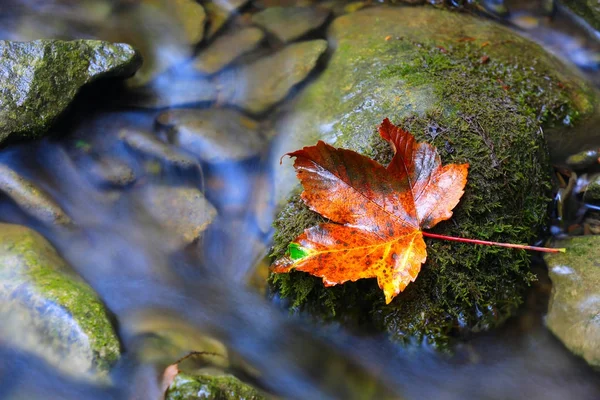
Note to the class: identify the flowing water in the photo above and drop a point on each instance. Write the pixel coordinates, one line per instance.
(131, 261)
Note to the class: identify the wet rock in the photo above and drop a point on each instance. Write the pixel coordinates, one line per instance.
(110, 172)
(215, 135)
(219, 12)
(33, 200)
(282, 3)
(40, 78)
(290, 23)
(584, 159)
(430, 81)
(161, 339)
(211, 387)
(150, 147)
(592, 191)
(152, 31)
(269, 80)
(46, 309)
(172, 92)
(189, 14)
(227, 48)
(574, 310)
(183, 211)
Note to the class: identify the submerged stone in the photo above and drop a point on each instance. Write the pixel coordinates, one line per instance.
(48, 310)
(226, 49)
(269, 80)
(290, 23)
(150, 147)
(214, 135)
(574, 310)
(172, 92)
(219, 12)
(182, 211)
(39, 79)
(415, 67)
(31, 199)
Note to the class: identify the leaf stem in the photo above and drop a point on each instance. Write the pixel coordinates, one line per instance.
(485, 242)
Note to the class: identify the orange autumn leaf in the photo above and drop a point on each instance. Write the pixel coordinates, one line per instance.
(376, 213)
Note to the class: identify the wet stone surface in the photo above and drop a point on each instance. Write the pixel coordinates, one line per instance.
(574, 309)
(48, 310)
(214, 136)
(31, 199)
(147, 146)
(219, 12)
(226, 48)
(290, 23)
(270, 79)
(39, 79)
(182, 211)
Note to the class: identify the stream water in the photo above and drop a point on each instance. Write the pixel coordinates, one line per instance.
(131, 262)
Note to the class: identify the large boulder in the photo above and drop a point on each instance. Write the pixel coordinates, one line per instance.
(47, 309)
(39, 79)
(480, 94)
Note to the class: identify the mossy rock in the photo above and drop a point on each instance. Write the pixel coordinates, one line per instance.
(48, 310)
(41, 78)
(211, 387)
(481, 95)
(574, 309)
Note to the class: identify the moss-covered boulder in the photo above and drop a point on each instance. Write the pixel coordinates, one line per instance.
(46, 309)
(39, 79)
(211, 387)
(574, 310)
(481, 95)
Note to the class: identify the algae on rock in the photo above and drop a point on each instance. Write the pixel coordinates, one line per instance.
(48, 310)
(574, 310)
(487, 111)
(40, 78)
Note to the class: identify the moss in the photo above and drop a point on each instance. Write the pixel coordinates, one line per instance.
(207, 387)
(64, 307)
(482, 111)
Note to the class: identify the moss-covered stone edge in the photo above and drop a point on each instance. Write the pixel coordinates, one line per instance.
(221, 387)
(450, 297)
(50, 274)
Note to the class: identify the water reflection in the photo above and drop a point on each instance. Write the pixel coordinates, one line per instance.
(135, 263)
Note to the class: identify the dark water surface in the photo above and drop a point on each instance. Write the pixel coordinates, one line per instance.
(129, 260)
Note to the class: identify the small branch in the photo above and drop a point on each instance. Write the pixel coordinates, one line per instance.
(485, 242)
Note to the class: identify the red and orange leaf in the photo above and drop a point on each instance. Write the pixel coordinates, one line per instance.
(377, 212)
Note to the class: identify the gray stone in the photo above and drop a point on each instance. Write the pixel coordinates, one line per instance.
(182, 211)
(214, 135)
(269, 80)
(33, 200)
(574, 310)
(227, 48)
(290, 23)
(46, 309)
(150, 147)
(39, 79)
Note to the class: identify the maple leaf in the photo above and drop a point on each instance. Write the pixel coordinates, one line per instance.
(377, 214)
